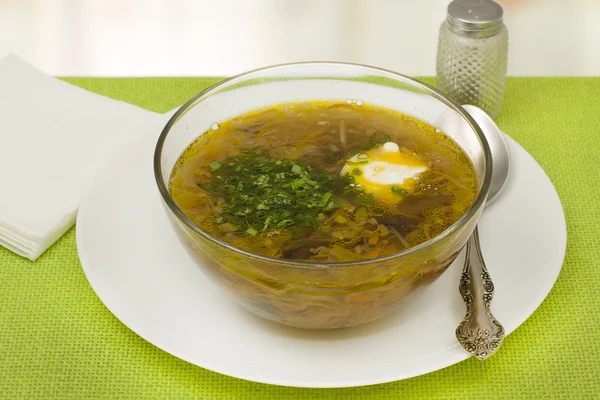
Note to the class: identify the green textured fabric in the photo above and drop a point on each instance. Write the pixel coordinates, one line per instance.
(57, 340)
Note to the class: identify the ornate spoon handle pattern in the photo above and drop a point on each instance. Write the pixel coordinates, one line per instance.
(479, 333)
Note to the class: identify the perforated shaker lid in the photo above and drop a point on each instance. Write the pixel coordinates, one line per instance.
(480, 17)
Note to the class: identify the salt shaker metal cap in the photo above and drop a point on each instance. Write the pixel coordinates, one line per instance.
(472, 54)
(475, 17)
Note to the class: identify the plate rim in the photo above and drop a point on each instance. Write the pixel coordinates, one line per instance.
(452, 357)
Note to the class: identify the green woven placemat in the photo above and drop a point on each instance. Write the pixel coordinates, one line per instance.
(57, 340)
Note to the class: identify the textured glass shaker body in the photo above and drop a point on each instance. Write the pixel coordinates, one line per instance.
(472, 69)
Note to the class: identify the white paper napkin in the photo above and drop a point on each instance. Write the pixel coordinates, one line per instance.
(53, 138)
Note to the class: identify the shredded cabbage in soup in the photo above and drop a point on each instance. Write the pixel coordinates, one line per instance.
(324, 181)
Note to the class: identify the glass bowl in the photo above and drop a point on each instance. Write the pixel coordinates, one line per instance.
(309, 294)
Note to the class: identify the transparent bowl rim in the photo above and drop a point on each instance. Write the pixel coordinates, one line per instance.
(479, 202)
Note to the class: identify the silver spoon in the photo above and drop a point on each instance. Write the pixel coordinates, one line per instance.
(480, 333)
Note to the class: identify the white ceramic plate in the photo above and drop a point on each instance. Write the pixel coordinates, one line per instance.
(139, 269)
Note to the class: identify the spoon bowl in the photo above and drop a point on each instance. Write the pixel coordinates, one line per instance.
(499, 148)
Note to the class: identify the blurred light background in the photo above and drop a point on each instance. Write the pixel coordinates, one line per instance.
(224, 37)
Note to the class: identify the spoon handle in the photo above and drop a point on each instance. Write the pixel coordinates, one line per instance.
(479, 332)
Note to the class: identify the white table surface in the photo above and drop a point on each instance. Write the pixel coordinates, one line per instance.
(224, 37)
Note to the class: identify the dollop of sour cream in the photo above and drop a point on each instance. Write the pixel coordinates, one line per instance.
(388, 172)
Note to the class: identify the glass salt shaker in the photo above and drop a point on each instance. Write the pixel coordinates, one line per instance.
(472, 54)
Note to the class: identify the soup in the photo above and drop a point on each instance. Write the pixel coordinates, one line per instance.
(323, 181)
